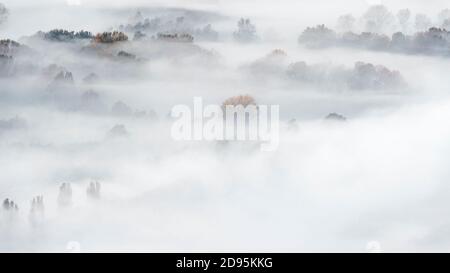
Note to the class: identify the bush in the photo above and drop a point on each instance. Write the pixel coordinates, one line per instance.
(363, 76)
(431, 42)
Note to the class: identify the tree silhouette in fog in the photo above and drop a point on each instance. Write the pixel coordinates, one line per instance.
(246, 31)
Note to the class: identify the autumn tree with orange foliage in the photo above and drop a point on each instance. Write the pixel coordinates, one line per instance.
(110, 37)
(243, 100)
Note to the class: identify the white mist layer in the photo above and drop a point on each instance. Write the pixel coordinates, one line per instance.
(380, 176)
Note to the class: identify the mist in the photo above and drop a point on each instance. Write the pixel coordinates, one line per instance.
(86, 92)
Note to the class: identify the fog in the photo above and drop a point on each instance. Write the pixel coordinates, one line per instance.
(80, 108)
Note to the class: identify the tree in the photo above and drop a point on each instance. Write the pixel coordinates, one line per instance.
(403, 17)
(206, 33)
(121, 109)
(378, 19)
(119, 130)
(369, 76)
(65, 195)
(4, 13)
(446, 24)
(243, 100)
(136, 18)
(444, 17)
(345, 23)
(15, 123)
(37, 210)
(298, 71)
(91, 78)
(37, 205)
(64, 77)
(335, 117)
(9, 205)
(435, 39)
(110, 37)
(319, 36)
(125, 55)
(139, 35)
(271, 64)
(93, 190)
(399, 41)
(6, 66)
(90, 101)
(246, 31)
(422, 22)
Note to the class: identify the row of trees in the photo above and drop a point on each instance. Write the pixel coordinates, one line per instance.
(379, 19)
(146, 26)
(433, 41)
(14, 58)
(9, 47)
(175, 37)
(12, 124)
(61, 35)
(65, 193)
(362, 76)
(246, 31)
(64, 200)
(89, 101)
